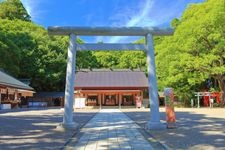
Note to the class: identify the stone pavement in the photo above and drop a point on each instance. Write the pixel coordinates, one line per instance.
(25, 129)
(197, 128)
(111, 129)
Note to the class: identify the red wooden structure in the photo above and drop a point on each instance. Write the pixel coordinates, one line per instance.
(208, 95)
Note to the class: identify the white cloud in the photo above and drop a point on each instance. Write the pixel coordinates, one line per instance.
(148, 13)
(143, 16)
(33, 9)
(131, 17)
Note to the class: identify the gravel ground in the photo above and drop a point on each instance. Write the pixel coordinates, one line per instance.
(36, 128)
(202, 128)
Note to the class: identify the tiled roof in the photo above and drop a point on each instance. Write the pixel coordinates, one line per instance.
(102, 78)
(7, 80)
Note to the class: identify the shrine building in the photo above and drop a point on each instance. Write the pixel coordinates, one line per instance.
(110, 87)
(13, 91)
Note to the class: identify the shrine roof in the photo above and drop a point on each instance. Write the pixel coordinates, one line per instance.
(111, 78)
(9, 81)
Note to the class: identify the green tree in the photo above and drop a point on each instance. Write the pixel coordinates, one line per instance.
(27, 51)
(196, 51)
(33, 53)
(86, 59)
(13, 9)
(10, 56)
(132, 59)
(107, 59)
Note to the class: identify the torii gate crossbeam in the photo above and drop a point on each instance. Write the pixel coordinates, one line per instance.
(147, 32)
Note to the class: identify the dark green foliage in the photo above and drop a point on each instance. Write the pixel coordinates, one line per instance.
(86, 59)
(10, 55)
(27, 51)
(30, 53)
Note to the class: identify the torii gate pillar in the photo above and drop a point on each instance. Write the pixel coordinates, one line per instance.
(69, 89)
(154, 122)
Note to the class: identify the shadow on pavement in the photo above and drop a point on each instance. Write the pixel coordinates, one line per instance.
(193, 130)
(36, 129)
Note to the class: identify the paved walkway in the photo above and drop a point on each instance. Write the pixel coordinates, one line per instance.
(111, 129)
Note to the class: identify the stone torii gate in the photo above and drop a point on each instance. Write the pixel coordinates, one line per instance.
(147, 32)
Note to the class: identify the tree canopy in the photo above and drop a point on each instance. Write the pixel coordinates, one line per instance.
(195, 52)
(185, 61)
(30, 53)
(13, 9)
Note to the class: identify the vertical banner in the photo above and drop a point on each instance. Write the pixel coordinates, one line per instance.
(169, 103)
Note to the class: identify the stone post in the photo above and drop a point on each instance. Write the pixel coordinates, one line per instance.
(154, 122)
(69, 89)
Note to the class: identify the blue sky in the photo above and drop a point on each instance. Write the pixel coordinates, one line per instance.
(140, 13)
